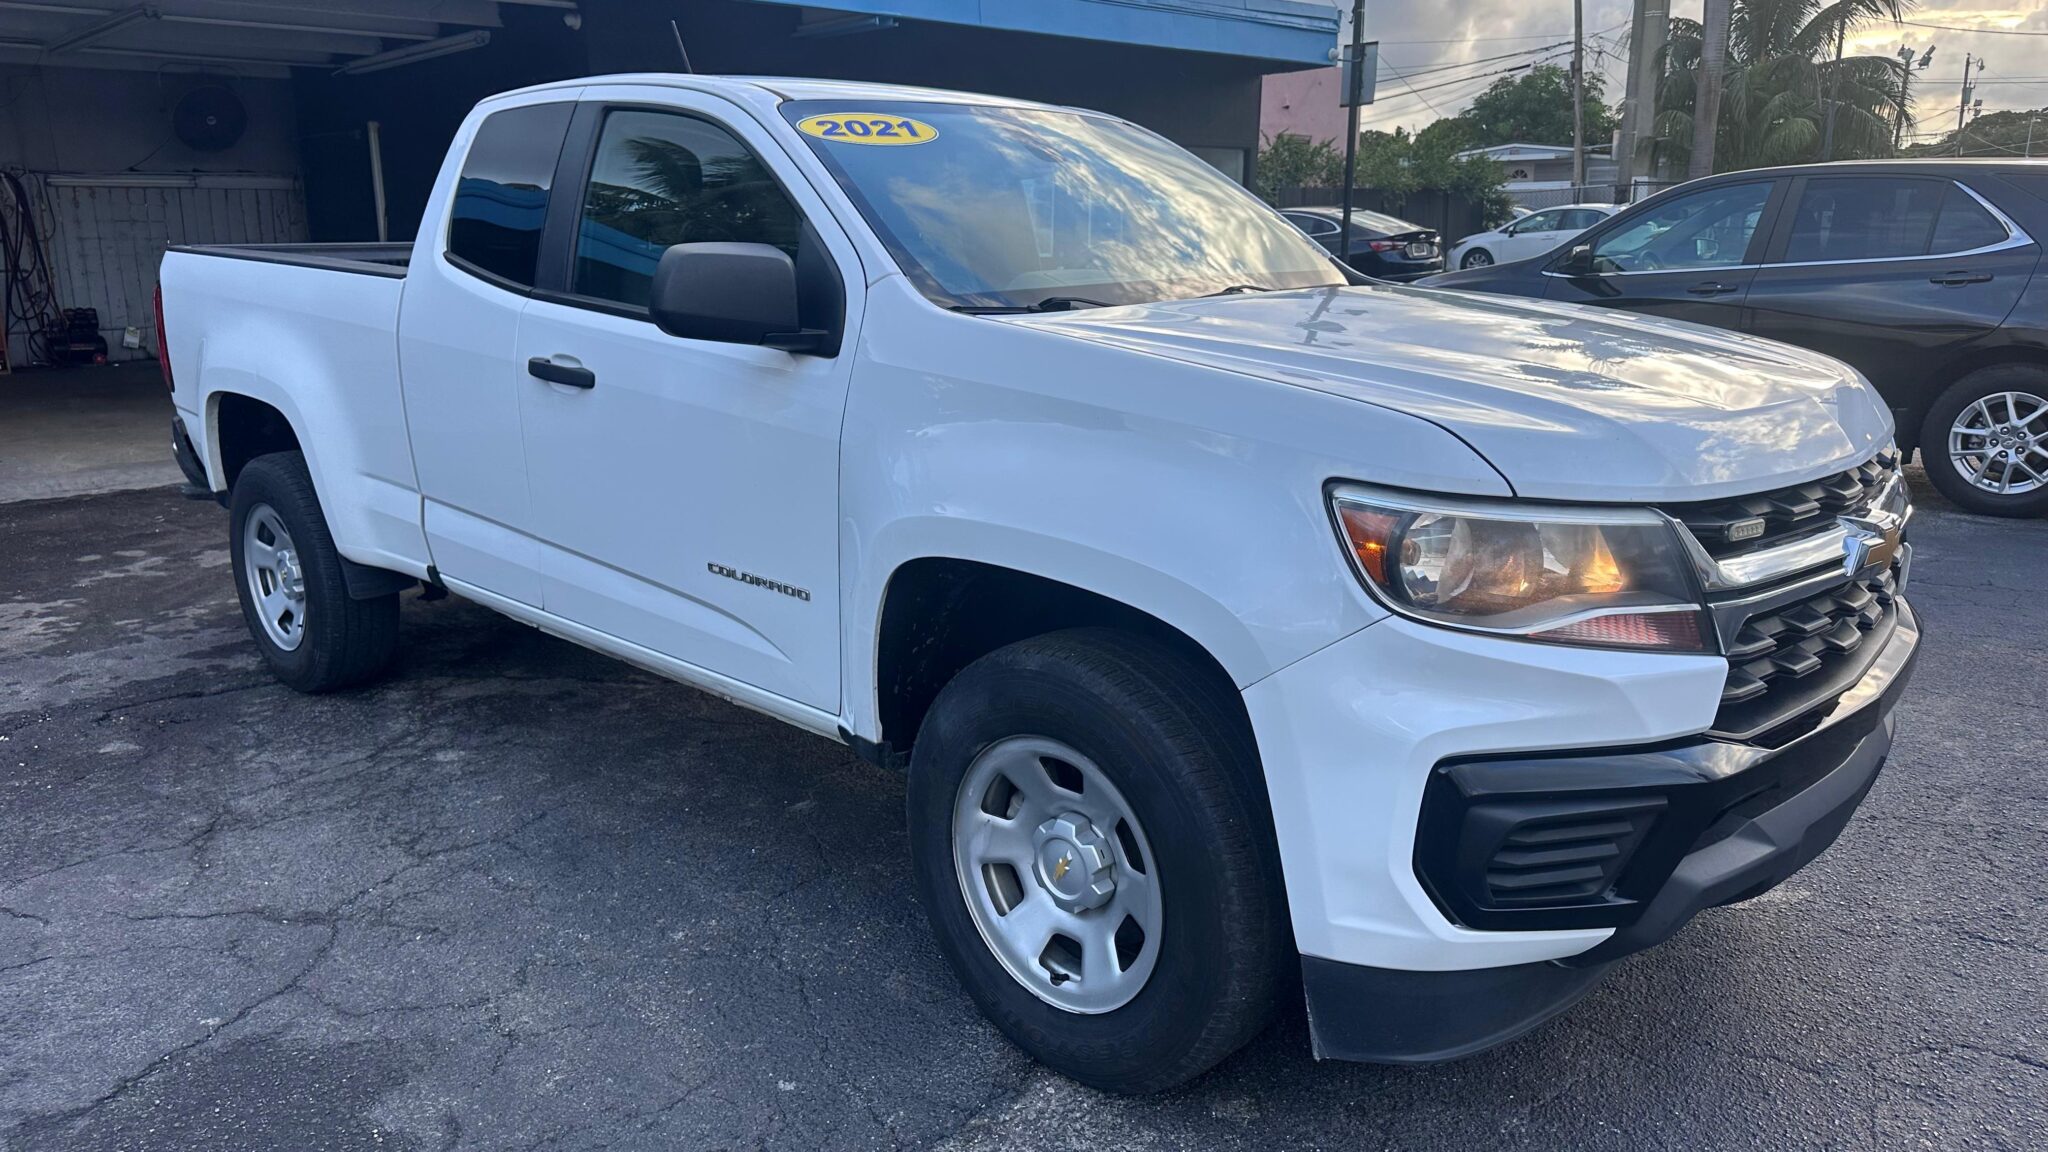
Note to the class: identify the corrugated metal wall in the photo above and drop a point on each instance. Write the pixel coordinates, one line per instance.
(108, 234)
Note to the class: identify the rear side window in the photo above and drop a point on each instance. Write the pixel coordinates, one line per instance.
(1964, 225)
(661, 179)
(1864, 218)
(1313, 225)
(501, 199)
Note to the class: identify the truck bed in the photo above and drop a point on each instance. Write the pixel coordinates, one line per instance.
(310, 330)
(362, 259)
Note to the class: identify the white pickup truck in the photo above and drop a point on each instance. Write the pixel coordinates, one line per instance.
(1236, 619)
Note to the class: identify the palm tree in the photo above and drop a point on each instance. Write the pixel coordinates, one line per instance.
(1782, 80)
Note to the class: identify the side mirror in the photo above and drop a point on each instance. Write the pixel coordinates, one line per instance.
(732, 293)
(1578, 261)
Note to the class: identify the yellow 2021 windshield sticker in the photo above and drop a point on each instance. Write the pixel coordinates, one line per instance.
(867, 128)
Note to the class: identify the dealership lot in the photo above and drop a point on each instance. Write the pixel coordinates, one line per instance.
(523, 896)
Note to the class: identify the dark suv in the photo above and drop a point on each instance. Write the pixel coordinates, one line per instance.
(1923, 274)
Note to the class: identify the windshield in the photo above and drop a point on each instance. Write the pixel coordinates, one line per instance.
(988, 207)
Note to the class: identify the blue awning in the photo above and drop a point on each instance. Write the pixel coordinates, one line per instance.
(1300, 33)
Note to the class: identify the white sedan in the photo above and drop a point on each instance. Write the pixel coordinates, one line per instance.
(1532, 235)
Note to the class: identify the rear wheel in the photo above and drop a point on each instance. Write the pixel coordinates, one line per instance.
(1477, 258)
(1091, 842)
(295, 600)
(1985, 441)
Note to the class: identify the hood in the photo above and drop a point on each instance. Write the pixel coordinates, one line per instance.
(1567, 402)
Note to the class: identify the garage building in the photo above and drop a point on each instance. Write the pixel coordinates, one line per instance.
(128, 128)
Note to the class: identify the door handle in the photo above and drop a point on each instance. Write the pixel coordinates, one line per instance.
(1955, 279)
(1711, 288)
(542, 368)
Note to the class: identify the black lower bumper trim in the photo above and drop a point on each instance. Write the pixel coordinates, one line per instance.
(1758, 854)
(196, 484)
(1639, 839)
(1388, 1016)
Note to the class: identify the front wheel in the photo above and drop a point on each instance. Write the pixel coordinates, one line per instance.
(1477, 258)
(1092, 845)
(1985, 441)
(295, 600)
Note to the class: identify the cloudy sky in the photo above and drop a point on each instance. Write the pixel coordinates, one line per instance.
(1438, 46)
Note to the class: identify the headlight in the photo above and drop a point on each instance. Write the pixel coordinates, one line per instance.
(1606, 577)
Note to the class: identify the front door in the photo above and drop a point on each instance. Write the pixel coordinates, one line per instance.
(1532, 235)
(685, 492)
(1892, 273)
(1690, 256)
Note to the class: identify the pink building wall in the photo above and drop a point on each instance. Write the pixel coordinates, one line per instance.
(1303, 104)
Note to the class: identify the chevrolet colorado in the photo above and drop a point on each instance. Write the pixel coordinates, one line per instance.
(1244, 626)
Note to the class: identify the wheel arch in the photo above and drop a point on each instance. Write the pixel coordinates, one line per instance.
(939, 613)
(1911, 431)
(241, 427)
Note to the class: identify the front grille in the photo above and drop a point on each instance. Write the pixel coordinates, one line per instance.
(1785, 660)
(1742, 524)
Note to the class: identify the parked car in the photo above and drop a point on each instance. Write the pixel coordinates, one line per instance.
(1529, 235)
(1922, 274)
(1235, 618)
(1382, 247)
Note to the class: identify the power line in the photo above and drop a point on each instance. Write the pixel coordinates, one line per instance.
(1985, 31)
(1481, 60)
(1566, 33)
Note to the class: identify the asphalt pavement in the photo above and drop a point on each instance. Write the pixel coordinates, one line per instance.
(521, 896)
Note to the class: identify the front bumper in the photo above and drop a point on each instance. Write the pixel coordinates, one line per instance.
(1697, 824)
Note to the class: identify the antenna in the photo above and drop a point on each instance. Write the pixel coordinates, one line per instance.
(680, 50)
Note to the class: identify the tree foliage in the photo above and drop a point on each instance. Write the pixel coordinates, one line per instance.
(1396, 164)
(1290, 161)
(1536, 108)
(1995, 134)
(1781, 80)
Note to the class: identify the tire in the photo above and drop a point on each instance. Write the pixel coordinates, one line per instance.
(1164, 735)
(1476, 258)
(2010, 402)
(321, 639)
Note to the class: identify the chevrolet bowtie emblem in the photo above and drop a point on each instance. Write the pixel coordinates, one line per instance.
(1059, 870)
(1871, 544)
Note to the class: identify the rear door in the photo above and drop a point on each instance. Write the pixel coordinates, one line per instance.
(1689, 256)
(685, 492)
(459, 321)
(1894, 274)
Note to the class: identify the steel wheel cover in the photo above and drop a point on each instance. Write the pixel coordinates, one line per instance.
(277, 586)
(1057, 874)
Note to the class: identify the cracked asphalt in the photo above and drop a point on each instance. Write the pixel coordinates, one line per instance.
(520, 896)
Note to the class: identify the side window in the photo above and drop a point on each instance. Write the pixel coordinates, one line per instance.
(1580, 219)
(1964, 225)
(1538, 222)
(1863, 218)
(1710, 228)
(661, 178)
(1313, 225)
(501, 198)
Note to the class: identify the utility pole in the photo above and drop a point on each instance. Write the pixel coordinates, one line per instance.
(1578, 97)
(1706, 105)
(1353, 96)
(2030, 134)
(1963, 108)
(1650, 27)
(1827, 106)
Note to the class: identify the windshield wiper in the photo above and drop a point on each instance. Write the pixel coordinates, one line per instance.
(1234, 289)
(1049, 304)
